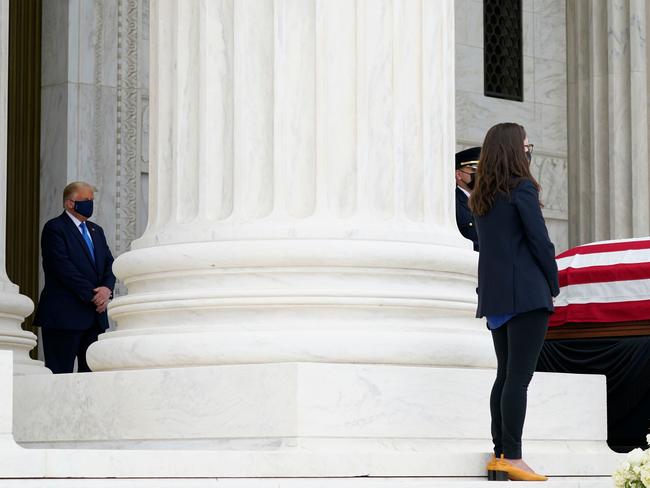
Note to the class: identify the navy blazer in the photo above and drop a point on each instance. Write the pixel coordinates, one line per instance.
(465, 219)
(71, 275)
(517, 271)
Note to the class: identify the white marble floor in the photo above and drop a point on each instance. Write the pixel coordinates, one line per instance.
(571, 482)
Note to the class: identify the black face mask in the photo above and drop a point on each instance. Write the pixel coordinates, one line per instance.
(472, 180)
(84, 207)
(529, 156)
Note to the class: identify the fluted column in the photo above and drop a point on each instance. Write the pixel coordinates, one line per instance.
(14, 307)
(301, 202)
(608, 120)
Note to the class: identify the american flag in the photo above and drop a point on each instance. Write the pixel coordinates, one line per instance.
(607, 281)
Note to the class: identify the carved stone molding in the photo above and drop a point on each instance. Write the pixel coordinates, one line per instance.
(128, 111)
(99, 126)
(144, 135)
(551, 173)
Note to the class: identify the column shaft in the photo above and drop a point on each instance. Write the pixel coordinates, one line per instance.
(324, 93)
(639, 117)
(608, 120)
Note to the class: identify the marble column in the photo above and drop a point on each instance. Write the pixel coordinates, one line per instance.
(608, 120)
(14, 307)
(301, 200)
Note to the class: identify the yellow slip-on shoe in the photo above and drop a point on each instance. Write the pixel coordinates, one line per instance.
(503, 470)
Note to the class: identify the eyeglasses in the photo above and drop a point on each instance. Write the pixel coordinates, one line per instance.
(530, 147)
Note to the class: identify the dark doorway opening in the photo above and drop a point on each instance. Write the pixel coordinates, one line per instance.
(23, 148)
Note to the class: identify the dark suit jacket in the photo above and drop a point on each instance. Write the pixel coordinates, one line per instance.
(71, 276)
(465, 219)
(517, 271)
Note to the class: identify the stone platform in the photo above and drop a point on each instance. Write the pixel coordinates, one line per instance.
(592, 482)
(266, 425)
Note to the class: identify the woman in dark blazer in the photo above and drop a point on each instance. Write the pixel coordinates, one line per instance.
(517, 278)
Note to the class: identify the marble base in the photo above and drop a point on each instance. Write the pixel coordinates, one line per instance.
(298, 420)
(334, 425)
(594, 482)
(91, 463)
(14, 307)
(262, 296)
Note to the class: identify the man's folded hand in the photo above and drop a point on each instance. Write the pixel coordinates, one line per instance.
(101, 298)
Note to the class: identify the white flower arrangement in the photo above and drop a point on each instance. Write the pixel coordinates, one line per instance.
(634, 472)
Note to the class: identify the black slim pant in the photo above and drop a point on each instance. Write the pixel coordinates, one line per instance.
(62, 346)
(517, 344)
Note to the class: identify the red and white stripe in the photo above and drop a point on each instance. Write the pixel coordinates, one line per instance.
(606, 281)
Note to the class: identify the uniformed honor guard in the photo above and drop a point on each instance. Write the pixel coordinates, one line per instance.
(466, 164)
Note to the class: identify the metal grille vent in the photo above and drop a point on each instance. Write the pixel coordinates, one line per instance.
(503, 53)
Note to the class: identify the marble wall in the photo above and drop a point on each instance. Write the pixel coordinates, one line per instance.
(94, 105)
(79, 93)
(543, 112)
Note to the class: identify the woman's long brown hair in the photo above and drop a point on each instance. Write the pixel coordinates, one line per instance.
(502, 164)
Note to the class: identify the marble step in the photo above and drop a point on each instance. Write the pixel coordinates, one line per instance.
(568, 482)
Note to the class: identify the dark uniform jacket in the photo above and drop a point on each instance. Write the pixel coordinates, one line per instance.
(71, 276)
(517, 271)
(465, 219)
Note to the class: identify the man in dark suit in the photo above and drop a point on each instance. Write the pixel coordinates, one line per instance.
(466, 162)
(78, 282)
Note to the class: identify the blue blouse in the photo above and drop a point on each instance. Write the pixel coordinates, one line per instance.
(496, 321)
